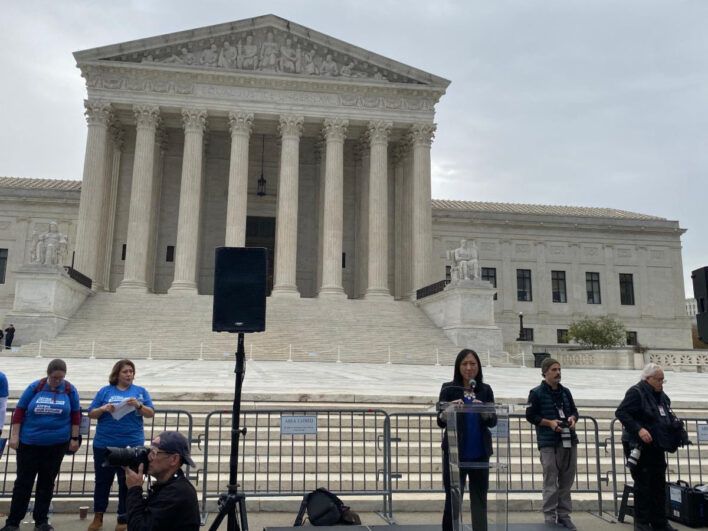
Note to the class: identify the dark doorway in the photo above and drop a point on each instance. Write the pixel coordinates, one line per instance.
(260, 232)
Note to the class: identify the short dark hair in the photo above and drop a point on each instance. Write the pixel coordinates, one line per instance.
(458, 361)
(56, 365)
(115, 371)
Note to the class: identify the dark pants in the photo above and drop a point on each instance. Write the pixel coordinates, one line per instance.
(104, 482)
(8, 341)
(478, 479)
(650, 487)
(41, 462)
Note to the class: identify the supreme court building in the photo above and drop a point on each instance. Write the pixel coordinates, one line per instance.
(262, 132)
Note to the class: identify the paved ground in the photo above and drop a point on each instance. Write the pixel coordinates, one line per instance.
(345, 382)
(258, 521)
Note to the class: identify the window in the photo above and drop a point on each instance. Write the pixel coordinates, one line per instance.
(3, 265)
(632, 338)
(170, 254)
(592, 286)
(122, 252)
(626, 289)
(490, 275)
(562, 336)
(523, 285)
(344, 260)
(558, 287)
(448, 273)
(526, 334)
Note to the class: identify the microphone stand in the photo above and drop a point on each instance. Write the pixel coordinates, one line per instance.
(231, 498)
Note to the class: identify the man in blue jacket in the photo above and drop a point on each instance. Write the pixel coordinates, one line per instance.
(552, 410)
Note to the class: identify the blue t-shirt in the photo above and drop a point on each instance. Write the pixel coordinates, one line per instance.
(473, 442)
(4, 389)
(128, 431)
(47, 414)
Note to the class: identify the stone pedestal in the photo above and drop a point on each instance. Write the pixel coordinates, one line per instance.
(465, 312)
(45, 299)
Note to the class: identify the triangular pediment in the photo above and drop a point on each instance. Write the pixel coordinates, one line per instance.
(263, 45)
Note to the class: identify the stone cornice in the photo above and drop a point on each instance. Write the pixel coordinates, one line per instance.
(129, 82)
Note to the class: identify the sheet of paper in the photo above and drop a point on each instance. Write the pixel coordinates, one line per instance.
(122, 409)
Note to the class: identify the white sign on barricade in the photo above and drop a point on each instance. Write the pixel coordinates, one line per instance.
(702, 433)
(298, 425)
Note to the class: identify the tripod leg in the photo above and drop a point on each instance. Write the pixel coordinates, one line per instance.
(242, 512)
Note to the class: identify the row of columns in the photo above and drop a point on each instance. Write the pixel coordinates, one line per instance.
(414, 201)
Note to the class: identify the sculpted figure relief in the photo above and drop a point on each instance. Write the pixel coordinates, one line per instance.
(270, 52)
(465, 261)
(49, 248)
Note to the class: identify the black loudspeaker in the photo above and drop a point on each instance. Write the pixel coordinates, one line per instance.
(240, 289)
(700, 292)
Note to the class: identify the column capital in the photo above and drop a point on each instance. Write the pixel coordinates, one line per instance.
(335, 129)
(422, 133)
(291, 125)
(400, 152)
(379, 131)
(241, 123)
(194, 120)
(98, 112)
(147, 115)
(117, 135)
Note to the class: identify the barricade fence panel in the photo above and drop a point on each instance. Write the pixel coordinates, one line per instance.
(76, 475)
(292, 452)
(689, 463)
(416, 455)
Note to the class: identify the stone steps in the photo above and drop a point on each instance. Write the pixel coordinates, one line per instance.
(111, 325)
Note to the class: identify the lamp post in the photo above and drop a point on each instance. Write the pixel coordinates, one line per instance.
(521, 327)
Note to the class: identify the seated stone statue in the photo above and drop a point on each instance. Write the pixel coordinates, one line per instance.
(49, 247)
(465, 261)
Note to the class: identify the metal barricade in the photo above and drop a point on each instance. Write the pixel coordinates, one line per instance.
(76, 475)
(292, 452)
(689, 463)
(416, 456)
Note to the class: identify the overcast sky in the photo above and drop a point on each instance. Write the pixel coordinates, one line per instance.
(590, 103)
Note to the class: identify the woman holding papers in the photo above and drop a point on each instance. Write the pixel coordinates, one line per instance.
(119, 408)
(474, 438)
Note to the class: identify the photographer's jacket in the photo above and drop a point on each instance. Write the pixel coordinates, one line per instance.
(545, 403)
(169, 506)
(642, 407)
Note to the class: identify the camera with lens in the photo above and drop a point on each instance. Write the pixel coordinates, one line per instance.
(633, 457)
(130, 457)
(565, 434)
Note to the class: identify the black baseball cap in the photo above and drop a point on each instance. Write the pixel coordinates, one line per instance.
(175, 443)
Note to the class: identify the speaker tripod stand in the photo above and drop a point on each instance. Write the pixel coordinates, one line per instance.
(232, 499)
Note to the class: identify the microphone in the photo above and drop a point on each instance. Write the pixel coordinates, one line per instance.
(472, 384)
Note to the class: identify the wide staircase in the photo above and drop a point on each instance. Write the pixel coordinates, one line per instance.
(115, 325)
(347, 454)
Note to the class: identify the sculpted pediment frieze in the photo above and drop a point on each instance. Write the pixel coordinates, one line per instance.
(269, 45)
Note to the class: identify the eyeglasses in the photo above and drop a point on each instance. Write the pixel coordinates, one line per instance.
(154, 452)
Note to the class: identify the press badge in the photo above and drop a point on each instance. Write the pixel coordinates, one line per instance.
(662, 412)
(561, 414)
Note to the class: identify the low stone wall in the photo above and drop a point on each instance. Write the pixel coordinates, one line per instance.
(626, 358)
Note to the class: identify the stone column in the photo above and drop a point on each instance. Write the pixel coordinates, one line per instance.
(362, 221)
(286, 222)
(335, 129)
(98, 115)
(421, 138)
(190, 200)
(377, 286)
(241, 125)
(141, 200)
(320, 172)
(118, 141)
(401, 223)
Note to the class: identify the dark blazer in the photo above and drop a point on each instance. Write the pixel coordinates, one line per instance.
(451, 391)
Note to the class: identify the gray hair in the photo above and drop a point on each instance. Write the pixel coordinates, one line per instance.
(649, 370)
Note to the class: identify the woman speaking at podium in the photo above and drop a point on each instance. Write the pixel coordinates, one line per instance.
(474, 438)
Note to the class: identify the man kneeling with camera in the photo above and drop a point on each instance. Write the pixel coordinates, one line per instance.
(171, 502)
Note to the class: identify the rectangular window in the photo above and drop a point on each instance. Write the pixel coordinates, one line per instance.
(344, 260)
(558, 286)
(562, 336)
(592, 286)
(122, 252)
(626, 289)
(526, 334)
(3, 265)
(490, 275)
(448, 274)
(523, 285)
(170, 254)
(632, 338)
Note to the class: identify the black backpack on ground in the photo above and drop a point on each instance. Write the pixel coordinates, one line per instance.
(324, 508)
